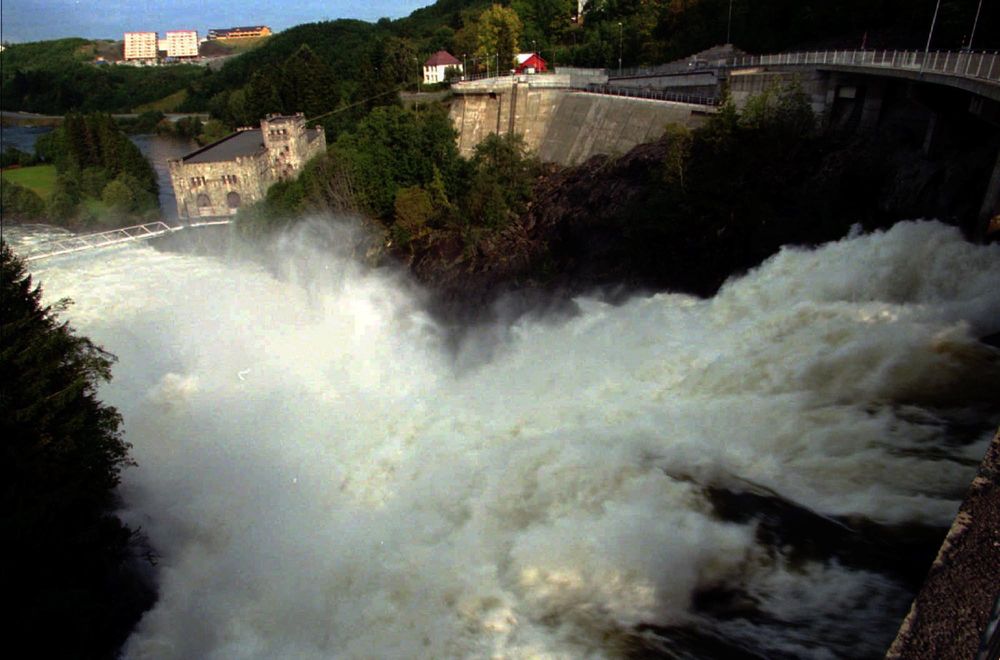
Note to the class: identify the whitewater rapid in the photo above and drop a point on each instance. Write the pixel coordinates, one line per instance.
(322, 474)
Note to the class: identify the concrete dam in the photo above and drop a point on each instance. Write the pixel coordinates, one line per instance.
(561, 124)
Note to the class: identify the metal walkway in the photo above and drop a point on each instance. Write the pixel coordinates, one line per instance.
(104, 239)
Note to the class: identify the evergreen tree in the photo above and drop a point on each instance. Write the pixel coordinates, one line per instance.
(308, 84)
(62, 458)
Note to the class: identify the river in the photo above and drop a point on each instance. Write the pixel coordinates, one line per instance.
(324, 474)
(158, 149)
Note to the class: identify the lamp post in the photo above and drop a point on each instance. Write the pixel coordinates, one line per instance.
(974, 24)
(729, 23)
(464, 70)
(930, 34)
(620, 43)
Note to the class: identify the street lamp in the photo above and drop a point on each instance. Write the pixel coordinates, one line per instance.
(464, 70)
(974, 24)
(927, 48)
(620, 42)
(729, 23)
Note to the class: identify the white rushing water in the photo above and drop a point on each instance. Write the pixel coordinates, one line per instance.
(321, 479)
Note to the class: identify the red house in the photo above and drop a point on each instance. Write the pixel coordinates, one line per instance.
(530, 63)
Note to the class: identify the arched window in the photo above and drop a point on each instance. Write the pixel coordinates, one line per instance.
(233, 200)
(204, 201)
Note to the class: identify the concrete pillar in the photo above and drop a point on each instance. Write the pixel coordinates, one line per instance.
(935, 127)
(832, 80)
(989, 213)
(871, 111)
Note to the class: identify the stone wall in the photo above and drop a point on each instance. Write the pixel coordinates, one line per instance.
(207, 189)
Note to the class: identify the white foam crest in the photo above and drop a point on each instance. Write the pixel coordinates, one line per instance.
(320, 479)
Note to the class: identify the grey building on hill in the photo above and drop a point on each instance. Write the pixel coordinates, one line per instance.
(220, 178)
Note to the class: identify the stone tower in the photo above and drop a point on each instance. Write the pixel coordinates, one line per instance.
(287, 143)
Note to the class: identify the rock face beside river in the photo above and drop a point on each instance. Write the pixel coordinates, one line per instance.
(615, 224)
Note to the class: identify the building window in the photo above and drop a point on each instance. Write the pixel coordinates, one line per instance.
(204, 201)
(197, 181)
(230, 179)
(233, 200)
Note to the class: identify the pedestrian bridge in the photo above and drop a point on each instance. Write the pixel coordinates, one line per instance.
(84, 242)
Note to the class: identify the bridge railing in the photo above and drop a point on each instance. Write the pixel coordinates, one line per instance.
(653, 94)
(981, 65)
(81, 242)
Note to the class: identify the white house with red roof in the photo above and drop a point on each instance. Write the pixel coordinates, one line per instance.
(437, 64)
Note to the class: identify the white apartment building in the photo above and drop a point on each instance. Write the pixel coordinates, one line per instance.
(181, 43)
(140, 45)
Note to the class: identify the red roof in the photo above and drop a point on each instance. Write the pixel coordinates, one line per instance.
(531, 60)
(442, 58)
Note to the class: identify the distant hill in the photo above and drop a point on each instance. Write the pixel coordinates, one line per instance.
(55, 77)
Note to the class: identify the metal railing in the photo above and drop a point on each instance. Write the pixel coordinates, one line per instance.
(979, 65)
(671, 68)
(109, 238)
(653, 94)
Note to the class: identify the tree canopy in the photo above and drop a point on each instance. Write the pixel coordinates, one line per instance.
(499, 35)
(63, 453)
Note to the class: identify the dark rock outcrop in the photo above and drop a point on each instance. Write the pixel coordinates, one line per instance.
(616, 225)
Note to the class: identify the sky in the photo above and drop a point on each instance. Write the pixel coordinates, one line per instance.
(36, 20)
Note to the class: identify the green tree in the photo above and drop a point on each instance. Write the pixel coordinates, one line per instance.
(499, 35)
(544, 20)
(413, 210)
(307, 84)
(675, 161)
(502, 183)
(119, 198)
(262, 95)
(62, 458)
(20, 204)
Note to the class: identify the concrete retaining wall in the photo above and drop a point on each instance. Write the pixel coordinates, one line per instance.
(750, 82)
(565, 126)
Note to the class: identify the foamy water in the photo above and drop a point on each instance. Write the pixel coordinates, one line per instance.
(320, 479)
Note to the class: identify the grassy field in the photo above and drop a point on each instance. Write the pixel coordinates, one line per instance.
(166, 104)
(40, 178)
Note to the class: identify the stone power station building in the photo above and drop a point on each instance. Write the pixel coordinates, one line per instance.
(218, 179)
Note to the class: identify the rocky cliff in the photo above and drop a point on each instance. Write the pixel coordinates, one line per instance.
(621, 225)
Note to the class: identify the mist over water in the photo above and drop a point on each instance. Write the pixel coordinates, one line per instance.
(322, 475)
